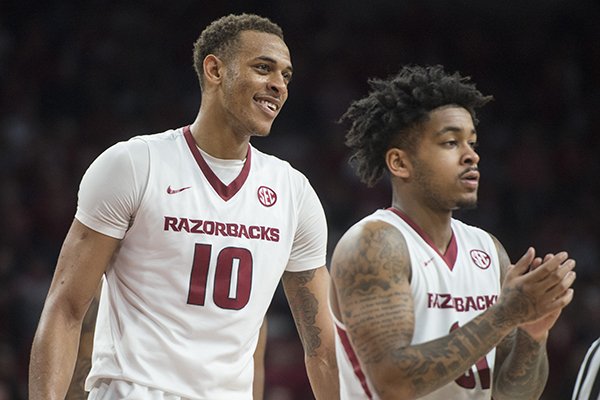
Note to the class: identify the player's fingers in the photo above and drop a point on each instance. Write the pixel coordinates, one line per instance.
(522, 265)
(567, 266)
(535, 263)
(548, 267)
(561, 287)
(562, 301)
(539, 260)
(557, 276)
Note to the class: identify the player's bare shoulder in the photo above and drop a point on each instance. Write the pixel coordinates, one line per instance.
(372, 253)
(502, 257)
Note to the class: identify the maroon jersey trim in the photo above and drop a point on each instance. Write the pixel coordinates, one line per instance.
(354, 361)
(451, 253)
(225, 191)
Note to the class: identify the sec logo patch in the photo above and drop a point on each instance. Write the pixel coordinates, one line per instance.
(481, 258)
(266, 196)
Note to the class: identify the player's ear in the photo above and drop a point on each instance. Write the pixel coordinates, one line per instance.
(213, 69)
(398, 162)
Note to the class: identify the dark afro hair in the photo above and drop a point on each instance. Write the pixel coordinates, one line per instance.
(219, 37)
(386, 116)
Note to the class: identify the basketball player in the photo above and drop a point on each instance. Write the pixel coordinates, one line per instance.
(417, 295)
(192, 229)
(587, 386)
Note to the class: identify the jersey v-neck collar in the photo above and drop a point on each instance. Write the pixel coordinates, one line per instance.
(451, 253)
(226, 192)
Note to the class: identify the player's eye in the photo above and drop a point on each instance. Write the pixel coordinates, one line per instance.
(264, 68)
(450, 143)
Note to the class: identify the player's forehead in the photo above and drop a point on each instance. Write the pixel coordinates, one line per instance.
(262, 45)
(450, 118)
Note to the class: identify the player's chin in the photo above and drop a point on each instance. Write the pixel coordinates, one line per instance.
(467, 203)
(262, 131)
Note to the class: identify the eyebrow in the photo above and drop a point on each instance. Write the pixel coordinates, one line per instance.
(273, 61)
(452, 128)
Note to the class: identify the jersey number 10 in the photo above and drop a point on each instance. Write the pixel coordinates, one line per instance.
(232, 280)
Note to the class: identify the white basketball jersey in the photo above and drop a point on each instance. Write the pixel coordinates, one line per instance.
(448, 291)
(185, 294)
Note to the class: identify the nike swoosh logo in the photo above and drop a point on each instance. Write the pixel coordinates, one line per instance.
(173, 191)
(426, 263)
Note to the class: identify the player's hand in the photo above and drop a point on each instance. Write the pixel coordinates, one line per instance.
(535, 288)
(539, 329)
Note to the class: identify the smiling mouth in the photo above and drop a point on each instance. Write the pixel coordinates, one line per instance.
(272, 107)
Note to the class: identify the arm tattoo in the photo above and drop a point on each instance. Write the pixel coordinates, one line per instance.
(372, 274)
(361, 275)
(521, 364)
(304, 306)
(528, 369)
(371, 306)
(429, 366)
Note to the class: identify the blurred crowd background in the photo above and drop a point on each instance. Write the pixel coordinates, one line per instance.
(78, 76)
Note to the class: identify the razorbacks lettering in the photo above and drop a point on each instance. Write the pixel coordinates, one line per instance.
(189, 225)
(461, 304)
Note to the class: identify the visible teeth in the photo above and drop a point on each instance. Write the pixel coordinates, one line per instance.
(269, 105)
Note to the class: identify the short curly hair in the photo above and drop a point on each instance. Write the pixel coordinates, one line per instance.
(387, 115)
(221, 36)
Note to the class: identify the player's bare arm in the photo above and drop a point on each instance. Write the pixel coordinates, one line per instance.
(371, 274)
(82, 261)
(84, 356)
(521, 358)
(307, 296)
(529, 376)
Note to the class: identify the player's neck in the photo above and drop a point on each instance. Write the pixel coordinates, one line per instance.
(435, 224)
(218, 139)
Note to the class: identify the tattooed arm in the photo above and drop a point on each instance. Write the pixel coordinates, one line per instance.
(521, 368)
(371, 276)
(307, 296)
